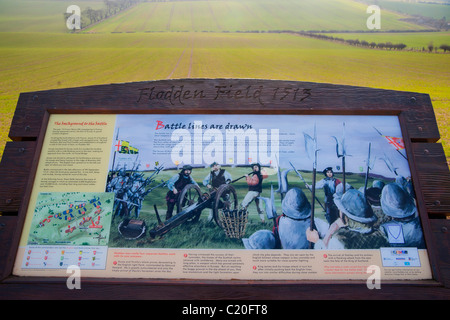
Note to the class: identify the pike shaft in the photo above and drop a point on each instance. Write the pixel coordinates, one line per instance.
(311, 224)
(343, 172)
(306, 184)
(240, 177)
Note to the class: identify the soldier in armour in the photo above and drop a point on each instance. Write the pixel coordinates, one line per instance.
(261, 239)
(119, 185)
(175, 186)
(404, 229)
(354, 229)
(136, 194)
(290, 228)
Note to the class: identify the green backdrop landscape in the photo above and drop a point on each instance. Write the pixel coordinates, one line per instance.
(152, 40)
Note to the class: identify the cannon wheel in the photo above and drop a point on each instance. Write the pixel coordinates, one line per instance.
(226, 199)
(188, 196)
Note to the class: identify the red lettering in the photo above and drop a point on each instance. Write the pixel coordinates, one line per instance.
(159, 125)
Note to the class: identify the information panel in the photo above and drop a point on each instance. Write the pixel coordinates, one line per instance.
(223, 196)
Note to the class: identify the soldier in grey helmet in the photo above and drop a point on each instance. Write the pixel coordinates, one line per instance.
(355, 227)
(294, 222)
(261, 239)
(378, 184)
(404, 230)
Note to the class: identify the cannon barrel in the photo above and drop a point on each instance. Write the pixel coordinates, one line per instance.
(182, 216)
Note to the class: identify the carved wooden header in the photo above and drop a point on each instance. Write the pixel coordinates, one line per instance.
(226, 95)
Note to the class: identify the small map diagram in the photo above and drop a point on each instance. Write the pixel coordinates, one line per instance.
(72, 218)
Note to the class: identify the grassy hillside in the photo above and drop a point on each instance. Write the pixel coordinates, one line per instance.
(32, 61)
(248, 15)
(38, 53)
(38, 15)
(433, 10)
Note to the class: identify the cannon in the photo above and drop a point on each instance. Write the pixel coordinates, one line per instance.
(192, 201)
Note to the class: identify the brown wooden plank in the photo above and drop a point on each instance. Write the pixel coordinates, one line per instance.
(32, 151)
(441, 238)
(18, 155)
(27, 117)
(434, 177)
(55, 288)
(15, 170)
(7, 230)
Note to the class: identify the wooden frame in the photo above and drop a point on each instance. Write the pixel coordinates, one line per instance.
(250, 96)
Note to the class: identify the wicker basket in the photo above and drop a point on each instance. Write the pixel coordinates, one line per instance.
(234, 223)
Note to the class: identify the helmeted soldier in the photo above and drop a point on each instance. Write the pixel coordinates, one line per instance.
(261, 239)
(404, 230)
(136, 194)
(119, 185)
(175, 186)
(355, 229)
(406, 184)
(292, 225)
(339, 192)
(373, 197)
(378, 184)
(118, 182)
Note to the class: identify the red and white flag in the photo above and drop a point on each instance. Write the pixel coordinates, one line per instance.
(396, 142)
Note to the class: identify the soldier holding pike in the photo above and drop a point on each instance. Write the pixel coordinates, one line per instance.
(329, 184)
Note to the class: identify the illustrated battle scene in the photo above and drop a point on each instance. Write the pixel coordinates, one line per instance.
(261, 182)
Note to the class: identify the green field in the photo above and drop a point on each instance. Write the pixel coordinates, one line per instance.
(435, 10)
(201, 16)
(38, 53)
(248, 15)
(38, 15)
(413, 40)
(32, 61)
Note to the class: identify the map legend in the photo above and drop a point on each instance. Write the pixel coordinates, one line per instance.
(61, 257)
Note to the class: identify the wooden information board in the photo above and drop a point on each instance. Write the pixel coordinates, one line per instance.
(325, 157)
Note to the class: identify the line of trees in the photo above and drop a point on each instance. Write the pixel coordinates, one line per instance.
(112, 7)
(445, 47)
(430, 47)
(382, 45)
(363, 43)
